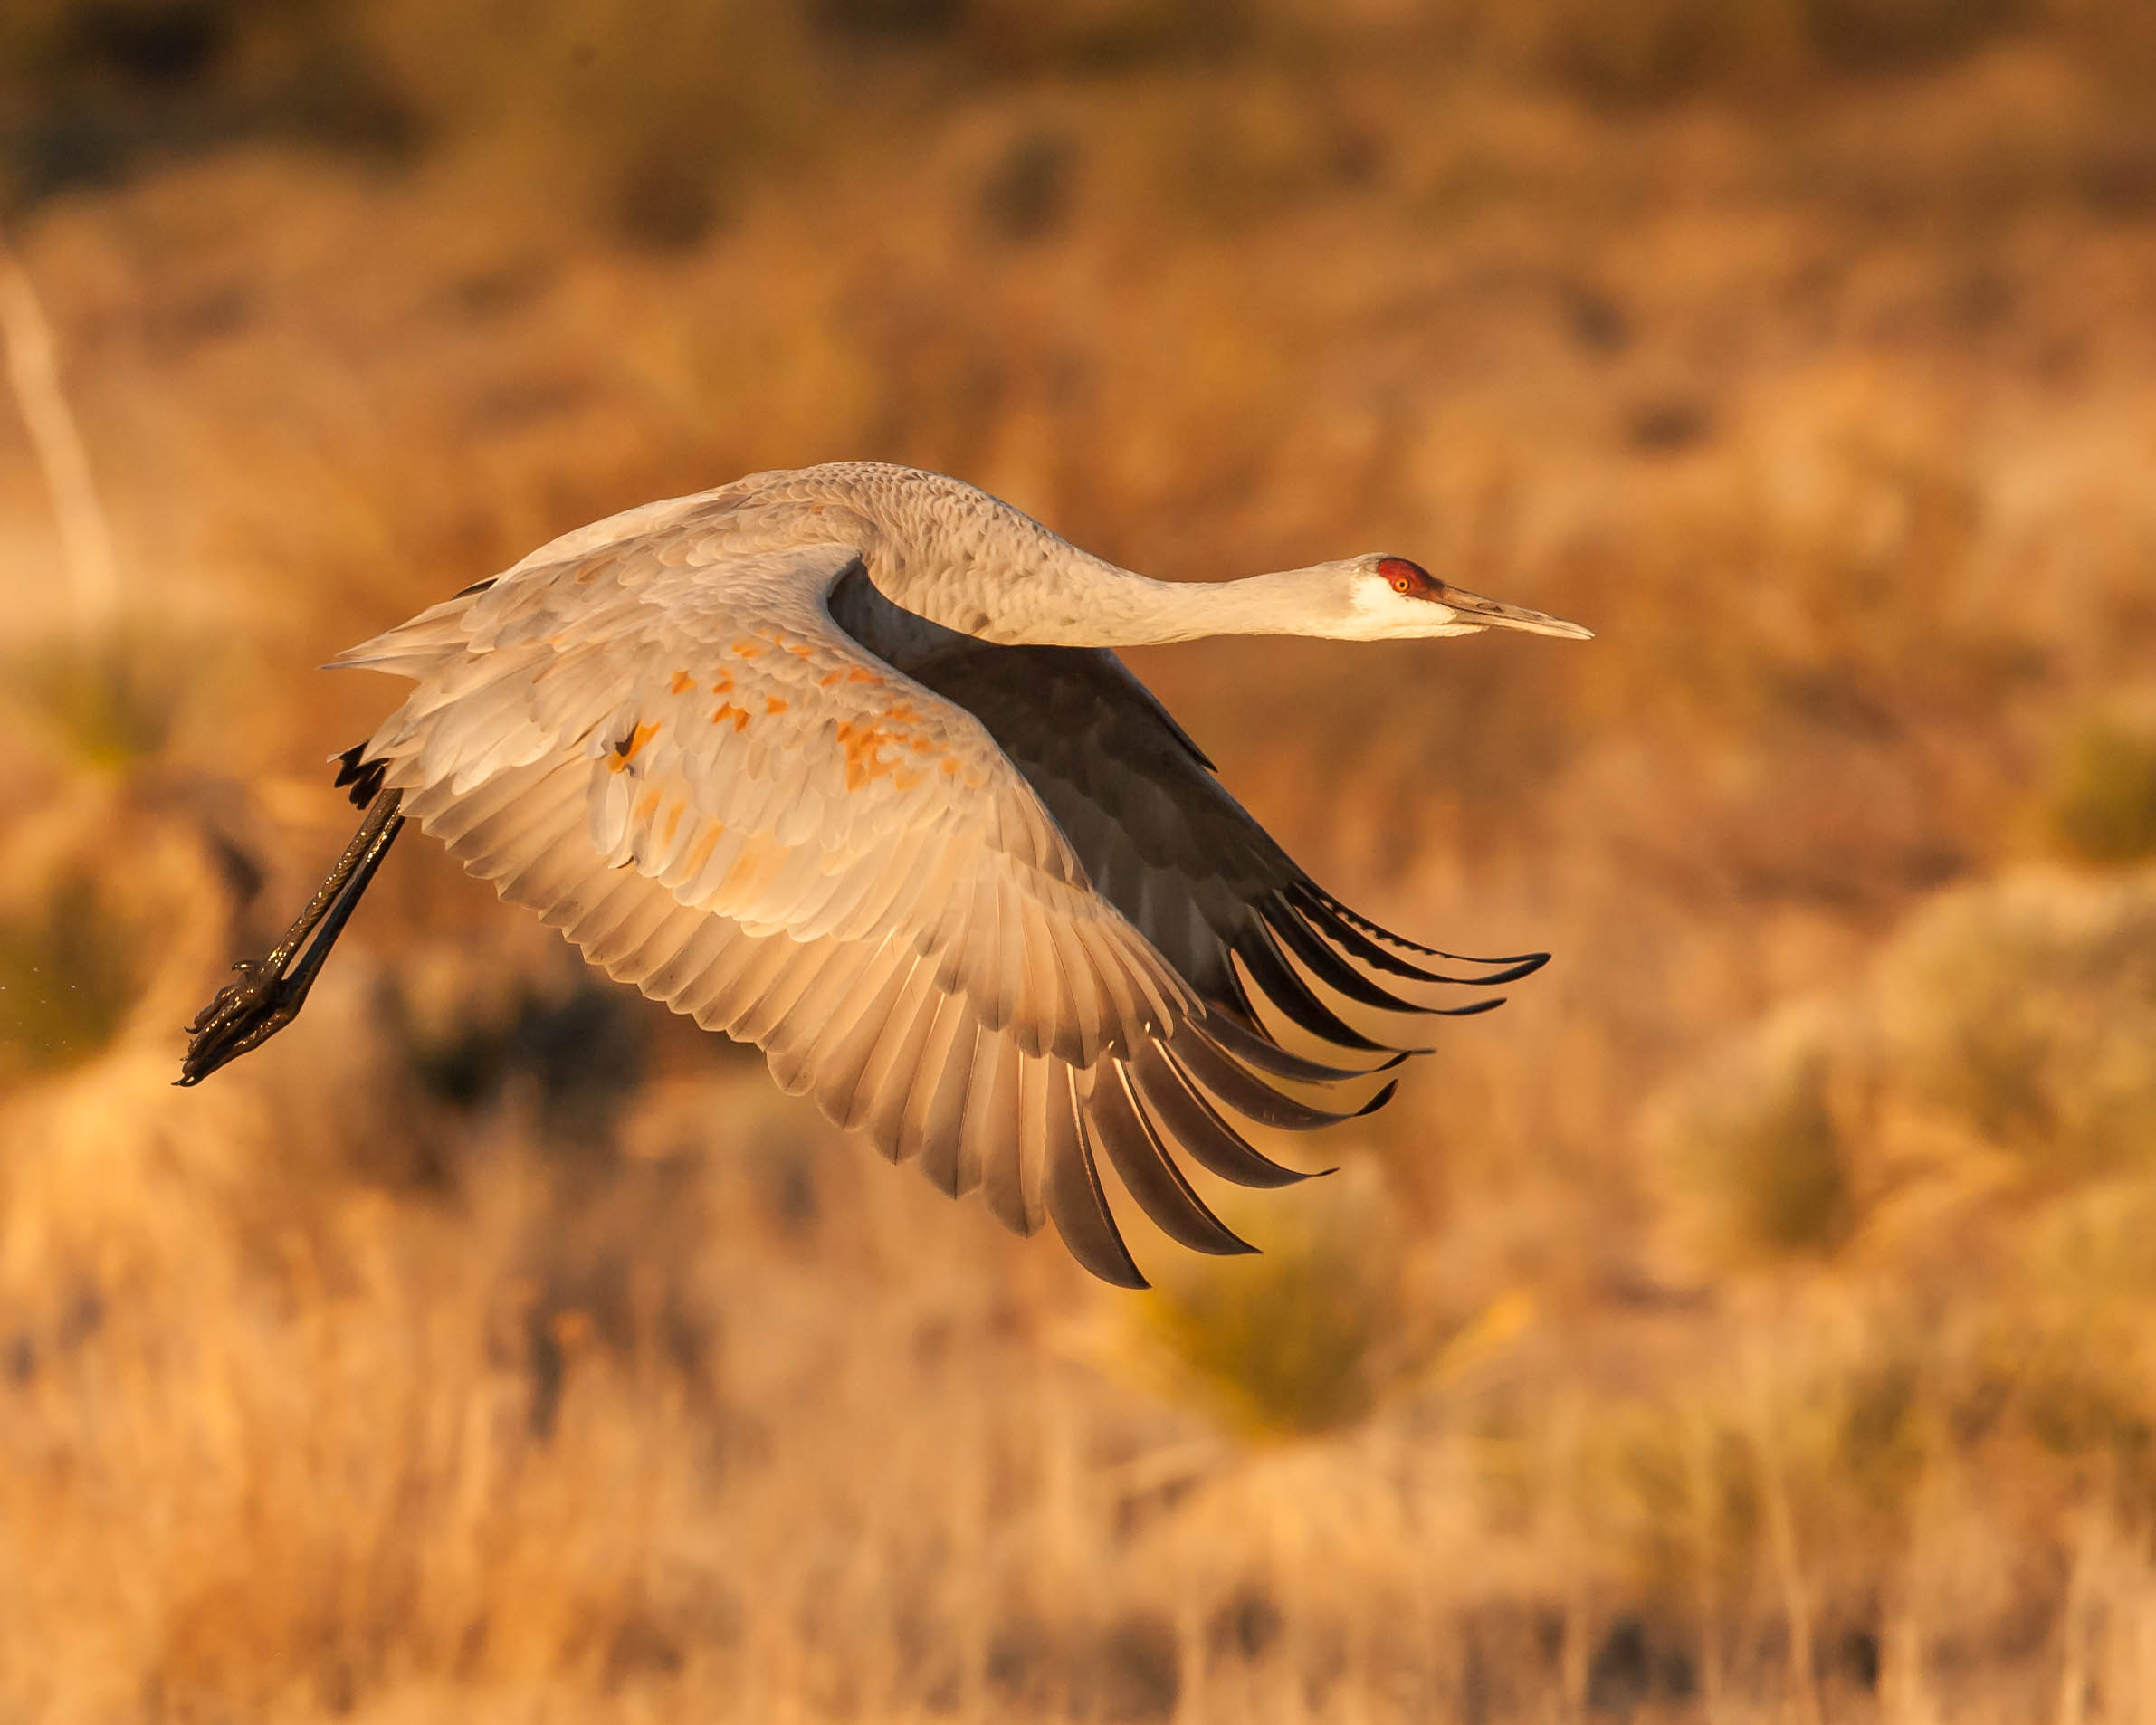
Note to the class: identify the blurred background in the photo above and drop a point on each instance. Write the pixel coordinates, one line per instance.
(1755, 1320)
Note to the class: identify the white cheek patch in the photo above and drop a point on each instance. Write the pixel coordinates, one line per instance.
(1382, 615)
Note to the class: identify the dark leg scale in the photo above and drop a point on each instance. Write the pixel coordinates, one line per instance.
(244, 1014)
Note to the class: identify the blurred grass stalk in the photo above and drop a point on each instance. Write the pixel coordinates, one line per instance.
(110, 692)
(34, 374)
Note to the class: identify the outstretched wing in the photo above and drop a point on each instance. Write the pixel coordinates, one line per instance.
(1163, 841)
(671, 752)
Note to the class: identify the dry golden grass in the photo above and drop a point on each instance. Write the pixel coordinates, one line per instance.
(1752, 1321)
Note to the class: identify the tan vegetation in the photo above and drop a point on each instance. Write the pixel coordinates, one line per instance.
(1753, 1319)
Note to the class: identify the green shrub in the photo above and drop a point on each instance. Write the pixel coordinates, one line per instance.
(67, 979)
(1299, 1340)
(110, 704)
(2102, 804)
(1756, 1159)
(2025, 1012)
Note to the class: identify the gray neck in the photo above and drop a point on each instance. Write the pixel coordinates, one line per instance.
(1088, 602)
(953, 553)
(1136, 612)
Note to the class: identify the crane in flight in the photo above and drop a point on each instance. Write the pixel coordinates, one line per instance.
(840, 762)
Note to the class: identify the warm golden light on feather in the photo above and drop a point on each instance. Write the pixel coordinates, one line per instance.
(934, 850)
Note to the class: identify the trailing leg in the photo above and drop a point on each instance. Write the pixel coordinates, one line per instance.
(244, 1014)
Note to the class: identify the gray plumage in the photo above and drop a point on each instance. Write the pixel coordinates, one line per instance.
(837, 761)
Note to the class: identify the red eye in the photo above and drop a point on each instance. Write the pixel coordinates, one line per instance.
(1406, 578)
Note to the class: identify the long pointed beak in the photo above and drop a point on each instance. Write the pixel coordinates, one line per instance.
(1496, 614)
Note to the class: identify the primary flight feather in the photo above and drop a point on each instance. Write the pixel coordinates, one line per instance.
(840, 761)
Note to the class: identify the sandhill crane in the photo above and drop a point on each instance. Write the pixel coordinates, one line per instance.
(840, 762)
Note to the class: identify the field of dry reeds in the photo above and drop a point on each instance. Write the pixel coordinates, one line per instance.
(1755, 1320)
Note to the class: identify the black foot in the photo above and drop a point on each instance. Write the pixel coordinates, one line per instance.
(240, 1016)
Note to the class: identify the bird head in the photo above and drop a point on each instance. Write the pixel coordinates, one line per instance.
(1391, 599)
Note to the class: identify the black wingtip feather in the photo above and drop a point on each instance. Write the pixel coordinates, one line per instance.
(1325, 909)
(1244, 1091)
(1379, 1101)
(1195, 1126)
(1276, 978)
(1251, 1047)
(1325, 964)
(1527, 967)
